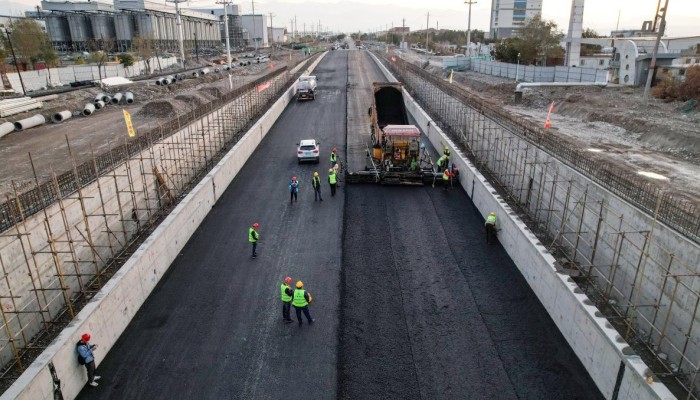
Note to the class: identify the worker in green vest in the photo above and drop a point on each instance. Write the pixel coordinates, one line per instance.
(442, 163)
(414, 164)
(253, 237)
(490, 226)
(286, 292)
(300, 301)
(332, 180)
(334, 157)
(317, 187)
(446, 153)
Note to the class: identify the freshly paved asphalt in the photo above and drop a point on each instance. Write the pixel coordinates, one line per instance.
(421, 307)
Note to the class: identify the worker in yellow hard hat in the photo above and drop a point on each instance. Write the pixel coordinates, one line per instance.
(332, 180)
(490, 226)
(300, 301)
(317, 186)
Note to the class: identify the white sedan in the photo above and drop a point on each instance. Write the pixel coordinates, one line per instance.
(308, 150)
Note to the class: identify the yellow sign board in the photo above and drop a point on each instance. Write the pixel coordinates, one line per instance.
(129, 126)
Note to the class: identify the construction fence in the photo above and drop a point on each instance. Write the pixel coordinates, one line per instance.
(603, 225)
(63, 239)
(54, 77)
(530, 73)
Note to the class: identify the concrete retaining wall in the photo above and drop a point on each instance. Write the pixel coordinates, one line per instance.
(617, 371)
(110, 311)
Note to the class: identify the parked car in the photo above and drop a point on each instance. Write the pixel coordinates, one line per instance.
(308, 150)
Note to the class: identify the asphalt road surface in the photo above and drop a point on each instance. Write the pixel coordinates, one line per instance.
(409, 300)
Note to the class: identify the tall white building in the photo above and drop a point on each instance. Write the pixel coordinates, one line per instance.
(509, 15)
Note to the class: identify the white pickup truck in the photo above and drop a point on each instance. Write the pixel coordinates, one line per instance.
(306, 88)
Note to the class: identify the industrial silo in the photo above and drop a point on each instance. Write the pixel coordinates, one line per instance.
(80, 30)
(103, 26)
(124, 30)
(58, 30)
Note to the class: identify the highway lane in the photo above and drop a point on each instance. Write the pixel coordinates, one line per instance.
(430, 311)
(213, 327)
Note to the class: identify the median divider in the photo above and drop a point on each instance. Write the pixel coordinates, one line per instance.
(110, 311)
(617, 371)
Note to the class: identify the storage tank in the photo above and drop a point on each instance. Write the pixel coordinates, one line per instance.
(102, 26)
(57, 28)
(80, 28)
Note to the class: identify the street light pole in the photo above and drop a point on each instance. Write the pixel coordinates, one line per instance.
(21, 82)
(179, 29)
(517, 69)
(469, 26)
(228, 41)
(652, 66)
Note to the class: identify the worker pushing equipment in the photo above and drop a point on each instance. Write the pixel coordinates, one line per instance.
(301, 301)
(490, 226)
(253, 237)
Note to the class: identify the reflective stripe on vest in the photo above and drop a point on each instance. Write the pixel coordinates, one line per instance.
(331, 178)
(252, 238)
(299, 299)
(491, 220)
(333, 157)
(317, 181)
(285, 297)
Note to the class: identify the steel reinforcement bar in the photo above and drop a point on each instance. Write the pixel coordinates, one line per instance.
(677, 213)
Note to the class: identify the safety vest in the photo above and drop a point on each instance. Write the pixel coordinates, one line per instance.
(299, 299)
(251, 237)
(285, 297)
(491, 220)
(441, 161)
(333, 157)
(445, 176)
(331, 178)
(293, 186)
(317, 181)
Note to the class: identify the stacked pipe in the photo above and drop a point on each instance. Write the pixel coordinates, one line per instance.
(99, 104)
(16, 106)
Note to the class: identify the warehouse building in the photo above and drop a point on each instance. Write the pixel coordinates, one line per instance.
(235, 25)
(90, 25)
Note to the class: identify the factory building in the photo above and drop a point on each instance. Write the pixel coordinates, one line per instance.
(89, 25)
(235, 25)
(255, 30)
(509, 15)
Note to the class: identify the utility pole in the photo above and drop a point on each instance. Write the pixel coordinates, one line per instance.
(12, 49)
(179, 30)
(228, 41)
(296, 28)
(291, 29)
(469, 26)
(403, 33)
(272, 31)
(652, 66)
(427, 32)
(255, 37)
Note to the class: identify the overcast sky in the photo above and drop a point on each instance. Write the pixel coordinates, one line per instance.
(354, 15)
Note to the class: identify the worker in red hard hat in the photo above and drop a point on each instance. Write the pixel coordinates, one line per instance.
(447, 178)
(293, 189)
(287, 295)
(85, 357)
(253, 237)
(334, 157)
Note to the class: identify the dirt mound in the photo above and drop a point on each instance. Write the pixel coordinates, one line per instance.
(190, 100)
(157, 109)
(212, 91)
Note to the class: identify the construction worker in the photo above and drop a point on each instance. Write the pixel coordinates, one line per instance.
(317, 186)
(301, 301)
(253, 237)
(442, 163)
(446, 177)
(490, 226)
(332, 180)
(87, 358)
(334, 157)
(446, 153)
(293, 189)
(414, 164)
(287, 294)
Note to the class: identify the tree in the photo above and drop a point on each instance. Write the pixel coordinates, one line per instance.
(143, 47)
(27, 38)
(537, 42)
(589, 49)
(126, 59)
(100, 52)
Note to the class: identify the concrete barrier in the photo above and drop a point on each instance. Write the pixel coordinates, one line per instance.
(608, 358)
(109, 312)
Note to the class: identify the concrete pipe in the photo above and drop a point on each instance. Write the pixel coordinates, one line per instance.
(159, 82)
(107, 99)
(216, 70)
(100, 104)
(195, 74)
(99, 97)
(129, 97)
(204, 71)
(167, 81)
(61, 116)
(88, 109)
(227, 68)
(117, 98)
(6, 128)
(30, 122)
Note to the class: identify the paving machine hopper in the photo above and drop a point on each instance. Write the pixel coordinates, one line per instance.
(395, 154)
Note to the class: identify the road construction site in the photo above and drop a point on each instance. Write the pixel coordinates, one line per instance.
(409, 300)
